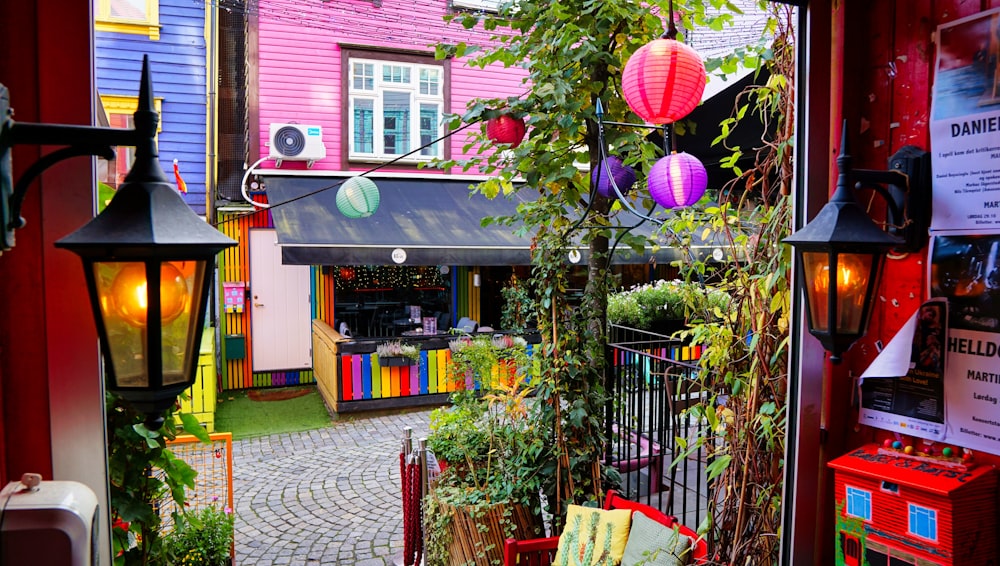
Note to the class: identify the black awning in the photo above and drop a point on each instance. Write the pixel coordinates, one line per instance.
(434, 221)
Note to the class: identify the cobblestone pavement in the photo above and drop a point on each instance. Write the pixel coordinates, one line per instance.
(327, 496)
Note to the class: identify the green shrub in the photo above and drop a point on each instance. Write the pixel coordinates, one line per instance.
(645, 306)
(201, 538)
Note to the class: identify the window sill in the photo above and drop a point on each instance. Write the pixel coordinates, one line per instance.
(150, 29)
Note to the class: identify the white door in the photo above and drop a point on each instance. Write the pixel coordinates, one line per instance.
(281, 314)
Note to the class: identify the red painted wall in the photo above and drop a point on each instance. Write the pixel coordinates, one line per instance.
(50, 382)
(879, 70)
(888, 75)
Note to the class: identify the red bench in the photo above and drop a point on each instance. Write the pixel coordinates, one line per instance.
(541, 551)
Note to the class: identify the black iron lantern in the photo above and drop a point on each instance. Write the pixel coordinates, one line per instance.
(148, 260)
(841, 253)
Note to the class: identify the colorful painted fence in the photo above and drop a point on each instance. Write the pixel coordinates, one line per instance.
(351, 378)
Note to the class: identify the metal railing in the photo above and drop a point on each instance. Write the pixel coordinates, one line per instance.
(652, 379)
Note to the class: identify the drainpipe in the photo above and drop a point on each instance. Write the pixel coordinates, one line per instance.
(212, 23)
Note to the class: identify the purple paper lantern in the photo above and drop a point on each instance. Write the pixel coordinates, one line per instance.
(623, 176)
(677, 180)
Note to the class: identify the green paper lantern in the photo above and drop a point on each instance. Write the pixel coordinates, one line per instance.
(358, 197)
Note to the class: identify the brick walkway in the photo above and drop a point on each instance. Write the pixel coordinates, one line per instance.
(328, 496)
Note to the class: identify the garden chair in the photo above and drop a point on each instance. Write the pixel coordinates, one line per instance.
(541, 551)
(466, 325)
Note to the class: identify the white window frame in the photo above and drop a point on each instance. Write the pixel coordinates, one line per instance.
(376, 96)
(849, 495)
(148, 24)
(912, 511)
(479, 5)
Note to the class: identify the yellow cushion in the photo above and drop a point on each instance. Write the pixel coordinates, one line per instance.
(593, 537)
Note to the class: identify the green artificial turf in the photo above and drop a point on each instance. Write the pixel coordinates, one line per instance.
(247, 418)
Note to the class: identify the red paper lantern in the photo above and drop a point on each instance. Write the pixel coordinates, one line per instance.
(677, 180)
(506, 129)
(663, 81)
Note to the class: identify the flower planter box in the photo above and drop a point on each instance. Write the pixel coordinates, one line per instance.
(477, 538)
(396, 361)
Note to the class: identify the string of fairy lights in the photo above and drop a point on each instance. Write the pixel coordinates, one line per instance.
(362, 277)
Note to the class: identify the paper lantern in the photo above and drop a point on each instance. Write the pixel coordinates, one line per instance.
(663, 81)
(677, 180)
(623, 176)
(506, 129)
(358, 197)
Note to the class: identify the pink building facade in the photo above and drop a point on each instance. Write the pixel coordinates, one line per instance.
(340, 65)
(333, 90)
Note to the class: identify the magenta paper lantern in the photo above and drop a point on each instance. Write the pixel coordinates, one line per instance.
(623, 176)
(663, 81)
(506, 129)
(677, 180)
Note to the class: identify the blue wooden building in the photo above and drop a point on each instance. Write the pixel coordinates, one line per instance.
(177, 35)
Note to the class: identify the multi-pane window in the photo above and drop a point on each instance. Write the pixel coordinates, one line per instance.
(859, 503)
(923, 522)
(395, 109)
(128, 16)
(119, 111)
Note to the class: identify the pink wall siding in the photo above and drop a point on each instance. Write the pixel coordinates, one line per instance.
(299, 54)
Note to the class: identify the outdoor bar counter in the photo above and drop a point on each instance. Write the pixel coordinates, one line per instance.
(351, 377)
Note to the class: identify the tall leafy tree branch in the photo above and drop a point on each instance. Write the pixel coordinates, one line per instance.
(574, 52)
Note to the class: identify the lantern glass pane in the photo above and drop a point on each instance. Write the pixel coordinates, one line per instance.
(853, 274)
(179, 331)
(124, 319)
(817, 285)
(124, 298)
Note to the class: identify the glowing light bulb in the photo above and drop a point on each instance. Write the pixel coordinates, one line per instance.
(852, 278)
(128, 296)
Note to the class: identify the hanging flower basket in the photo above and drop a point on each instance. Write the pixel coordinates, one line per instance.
(397, 354)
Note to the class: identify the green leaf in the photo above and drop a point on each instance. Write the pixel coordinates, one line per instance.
(194, 428)
(717, 466)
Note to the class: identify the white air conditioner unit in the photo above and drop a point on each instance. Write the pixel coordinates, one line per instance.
(296, 142)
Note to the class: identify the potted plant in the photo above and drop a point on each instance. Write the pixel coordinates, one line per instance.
(396, 353)
(485, 359)
(202, 537)
(490, 489)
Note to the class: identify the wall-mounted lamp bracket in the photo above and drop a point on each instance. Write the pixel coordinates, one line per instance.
(841, 252)
(79, 141)
(907, 193)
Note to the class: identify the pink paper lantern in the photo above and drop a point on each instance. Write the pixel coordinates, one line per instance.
(677, 180)
(663, 81)
(506, 129)
(623, 176)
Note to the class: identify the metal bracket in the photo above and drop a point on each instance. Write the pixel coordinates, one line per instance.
(907, 193)
(80, 141)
